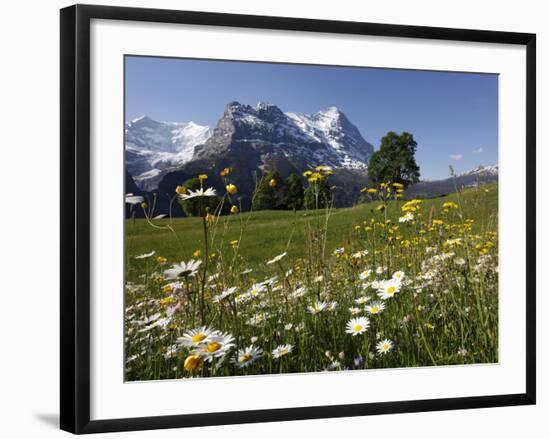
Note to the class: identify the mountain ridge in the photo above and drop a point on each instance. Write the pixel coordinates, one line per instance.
(153, 149)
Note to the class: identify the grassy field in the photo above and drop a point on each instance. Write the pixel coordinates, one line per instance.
(389, 283)
(272, 232)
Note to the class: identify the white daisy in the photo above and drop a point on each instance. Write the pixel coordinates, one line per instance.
(406, 218)
(357, 326)
(217, 346)
(384, 346)
(317, 307)
(354, 310)
(160, 323)
(183, 269)
(256, 289)
(299, 292)
(375, 308)
(245, 357)
(270, 282)
(210, 192)
(338, 251)
(145, 255)
(276, 258)
(133, 199)
(282, 350)
(362, 300)
(196, 337)
(360, 254)
(389, 288)
(365, 274)
(257, 319)
(225, 293)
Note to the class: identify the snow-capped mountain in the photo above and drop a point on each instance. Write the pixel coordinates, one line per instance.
(257, 136)
(326, 137)
(153, 148)
(480, 175)
(491, 170)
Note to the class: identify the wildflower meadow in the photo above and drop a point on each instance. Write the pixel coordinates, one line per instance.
(389, 282)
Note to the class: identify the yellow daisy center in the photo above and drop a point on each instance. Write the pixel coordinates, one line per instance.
(374, 309)
(198, 337)
(358, 328)
(245, 358)
(385, 346)
(213, 347)
(391, 290)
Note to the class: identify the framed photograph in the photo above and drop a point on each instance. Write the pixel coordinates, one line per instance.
(268, 218)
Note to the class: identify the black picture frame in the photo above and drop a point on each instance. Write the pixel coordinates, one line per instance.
(75, 217)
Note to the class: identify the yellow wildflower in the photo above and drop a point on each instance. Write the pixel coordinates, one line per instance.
(225, 172)
(166, 301)
(192, 362)
(231, 188)
(234, 209)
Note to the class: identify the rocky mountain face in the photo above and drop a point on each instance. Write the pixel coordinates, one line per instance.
(250, 140)
(326, 137)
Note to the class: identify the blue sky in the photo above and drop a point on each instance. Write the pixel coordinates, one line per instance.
(453, 116)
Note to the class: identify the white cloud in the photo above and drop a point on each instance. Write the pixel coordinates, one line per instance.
(456, 156)
(477, 151)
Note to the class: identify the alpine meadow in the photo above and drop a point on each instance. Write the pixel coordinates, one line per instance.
(269, 241)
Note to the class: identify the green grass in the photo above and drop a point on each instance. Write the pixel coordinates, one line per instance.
(268, 233)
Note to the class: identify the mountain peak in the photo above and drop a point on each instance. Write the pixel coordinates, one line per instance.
(143, 118)
(331, 111)
(264, 105)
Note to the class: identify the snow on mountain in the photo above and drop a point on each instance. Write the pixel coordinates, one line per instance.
(491, 170)
(154, 147)
(326, 137)
(332, 128)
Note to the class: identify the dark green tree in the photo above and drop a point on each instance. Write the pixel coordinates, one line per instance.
(268, 195)
(198, 206)
(317, 195)
(395, 161)
(294, 192)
